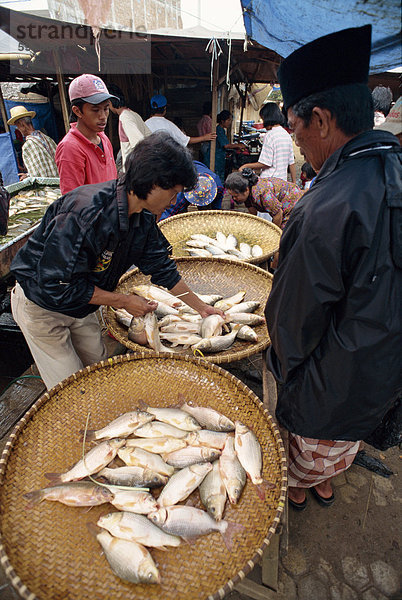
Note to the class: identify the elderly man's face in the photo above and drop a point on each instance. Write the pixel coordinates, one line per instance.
(23, 128)
(309, 140)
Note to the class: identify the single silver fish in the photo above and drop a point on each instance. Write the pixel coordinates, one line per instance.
(209, 418)
(237, 253)
(133, 477)
(135, 501)
(182, 484)
(212, 326)
(158, 429)
(256, 251)
(214, 250)
(227, 303)
(244, 307)
(123, 426)
(196, 243)
(213, 492)
(201, 236)
(249, 452)
(221, 239)
(129, 561)
(209, 298)
(205, 437)
(218, 343)
(137, 457)
(245, 249)
(137, 528)
(247, 334)
(176, 417)
(154, 445)
(136, 332)
(93, 461)
(232, 473)
(191, 455)
(123, 317)
(152, 292)
(78, 493)
(245, 319)
(231, 241)
(189, 522)
(201, 252)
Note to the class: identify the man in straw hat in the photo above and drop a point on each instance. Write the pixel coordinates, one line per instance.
(334, 313)
(38, 151)
(87, 239)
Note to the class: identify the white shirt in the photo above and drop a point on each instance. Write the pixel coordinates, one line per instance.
(160, 123)
(132, 130)
(277, 153)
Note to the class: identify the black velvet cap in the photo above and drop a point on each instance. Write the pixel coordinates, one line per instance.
(336, 59)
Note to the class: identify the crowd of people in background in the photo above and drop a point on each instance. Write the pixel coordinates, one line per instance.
(267, 187)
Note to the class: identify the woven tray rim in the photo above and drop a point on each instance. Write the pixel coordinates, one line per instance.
(16, 581)
(217, 358)
(230, 214)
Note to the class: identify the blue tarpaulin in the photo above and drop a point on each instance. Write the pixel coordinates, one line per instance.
(283, 27)
(44, 119)
(8, 162)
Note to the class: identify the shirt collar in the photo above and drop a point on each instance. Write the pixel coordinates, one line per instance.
(367, 140)
(78, 134)
(122, 208)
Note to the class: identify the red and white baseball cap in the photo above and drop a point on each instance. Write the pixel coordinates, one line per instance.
(89, 88)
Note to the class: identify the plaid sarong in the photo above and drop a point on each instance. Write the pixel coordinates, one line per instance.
(313, 461)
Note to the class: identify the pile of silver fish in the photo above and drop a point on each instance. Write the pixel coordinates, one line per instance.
(222, 246)
(178, 449)
(26, 209)
(175, 323)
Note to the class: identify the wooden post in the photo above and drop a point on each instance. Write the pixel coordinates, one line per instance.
(243, 104)
(215, 77)
(3, 111)
(62, 90)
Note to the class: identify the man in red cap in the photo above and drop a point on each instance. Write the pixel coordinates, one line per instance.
(85, 154)
(334, 312)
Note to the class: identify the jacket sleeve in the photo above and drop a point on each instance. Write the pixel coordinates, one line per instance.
(63, 269)
(306, 284)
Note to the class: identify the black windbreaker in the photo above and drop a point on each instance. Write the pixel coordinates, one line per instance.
(86, 239)
(334, 312)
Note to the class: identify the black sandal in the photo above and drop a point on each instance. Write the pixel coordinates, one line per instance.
(323, 501)
(298, 505)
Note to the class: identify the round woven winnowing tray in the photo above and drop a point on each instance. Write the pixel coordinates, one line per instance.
(48, 552)
(247, 228)
(206, 276)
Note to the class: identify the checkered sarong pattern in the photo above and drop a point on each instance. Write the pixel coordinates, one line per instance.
(313, 461)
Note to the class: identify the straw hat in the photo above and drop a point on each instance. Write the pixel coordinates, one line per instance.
(18, 112)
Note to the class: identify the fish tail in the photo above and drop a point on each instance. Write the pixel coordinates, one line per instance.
(230, 532)
(260, 489)
(54, 477)
(89, 436)
(34, 497)
(93, 528)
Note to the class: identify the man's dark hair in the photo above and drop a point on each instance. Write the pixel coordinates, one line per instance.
(158, 160)
(120, 101)
(382, 99)
(223, 116)
(240, 182)
(350, 105)
(271, 115)
(78, 102)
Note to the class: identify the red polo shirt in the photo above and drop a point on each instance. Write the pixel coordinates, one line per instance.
(80, 161)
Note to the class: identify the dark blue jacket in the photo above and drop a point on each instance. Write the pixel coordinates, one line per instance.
(86, 239)
(334, 313)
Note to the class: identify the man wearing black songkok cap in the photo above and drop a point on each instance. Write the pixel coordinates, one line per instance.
(334, 313)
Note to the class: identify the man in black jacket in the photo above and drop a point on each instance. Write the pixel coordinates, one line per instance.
(334, 313)
(87, 239)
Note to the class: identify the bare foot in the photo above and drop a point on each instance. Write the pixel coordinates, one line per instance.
(324, 489)
(296, 494)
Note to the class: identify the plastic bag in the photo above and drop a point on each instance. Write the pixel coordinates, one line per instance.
(389, 431)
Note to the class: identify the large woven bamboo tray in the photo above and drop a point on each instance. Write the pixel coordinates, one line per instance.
(247, 228)
(48, 552)
(207, 276)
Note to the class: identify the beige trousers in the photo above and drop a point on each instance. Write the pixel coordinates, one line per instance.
(60, 345)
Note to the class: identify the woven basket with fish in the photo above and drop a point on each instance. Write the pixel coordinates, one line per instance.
(47, 550)
(206, 276)
(246, 228)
